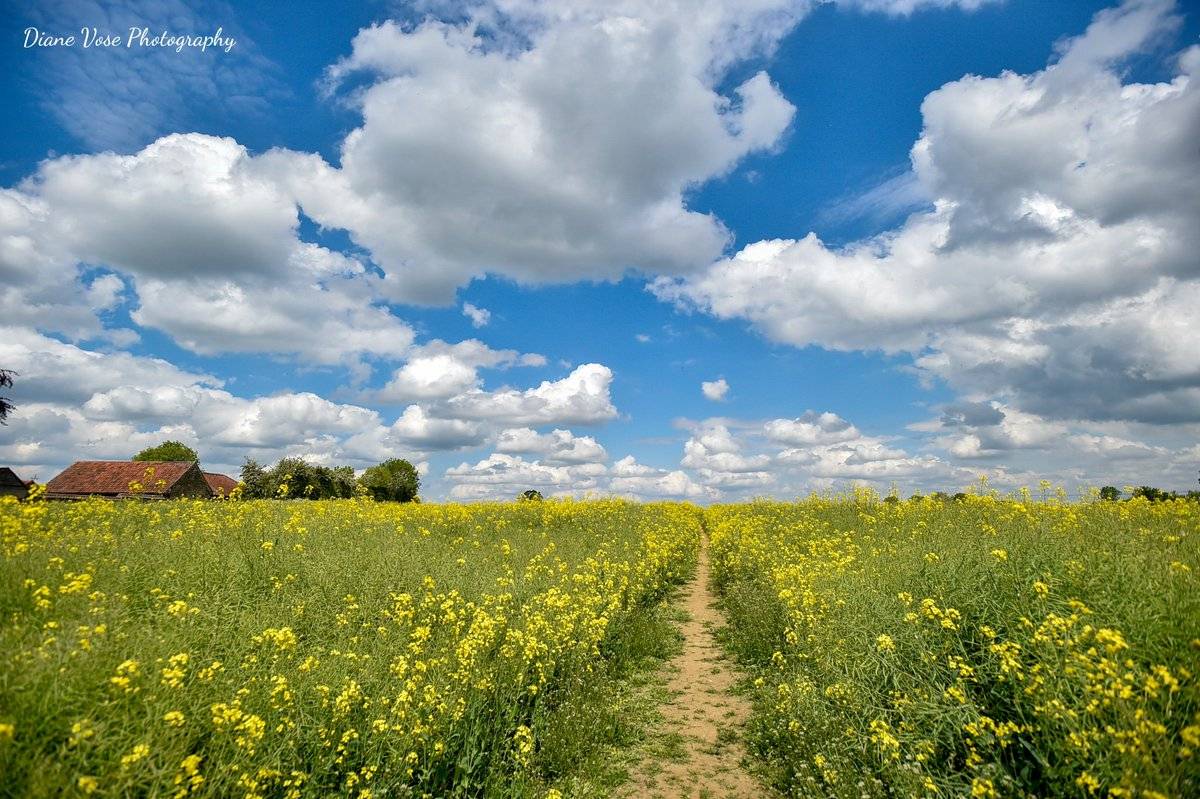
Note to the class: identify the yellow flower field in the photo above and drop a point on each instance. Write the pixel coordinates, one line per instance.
(986, 647)
(341, 647)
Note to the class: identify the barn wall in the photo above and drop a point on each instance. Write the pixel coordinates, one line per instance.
(191, 485)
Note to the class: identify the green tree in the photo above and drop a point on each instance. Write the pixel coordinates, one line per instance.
(6, 405)
(254, 480)
(168, 451)
(530, 495)
(296, 478)
(394, 480)
(1151, 493)
(342, 482)
(1110, 494)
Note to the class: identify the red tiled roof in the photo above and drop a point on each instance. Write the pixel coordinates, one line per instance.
(114, 477)
(221, 484)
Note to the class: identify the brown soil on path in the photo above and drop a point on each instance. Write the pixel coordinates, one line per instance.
(697, 751)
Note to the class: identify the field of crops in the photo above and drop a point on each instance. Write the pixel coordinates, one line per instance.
(333, 648)
(985, 647)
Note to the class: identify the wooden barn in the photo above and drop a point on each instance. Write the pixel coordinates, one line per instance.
(222, 485)
(129, 479)
(11, 485)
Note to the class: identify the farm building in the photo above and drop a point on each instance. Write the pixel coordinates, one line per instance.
(121, 479)
(222, 485)
(11, 485)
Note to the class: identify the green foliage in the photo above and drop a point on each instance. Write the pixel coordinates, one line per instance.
(1151, 493)
(168, 451)
(296, 478)
(1110, 493)
(394, 480)
(254, 480)
(530, 495)
(6, 405)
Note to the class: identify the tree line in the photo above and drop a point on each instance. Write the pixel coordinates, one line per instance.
(394, 480)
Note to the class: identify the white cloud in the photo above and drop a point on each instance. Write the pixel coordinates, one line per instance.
(883, 202)
(632, 479)
(501, 476)
(1056, 271)
(435, 376)
(75, 403)
(545, 142)
(210, 247)
(54, 372)
(815, 451)
(40, 285)
(906, 7)
(811, 428)
(718, 460)
(582, 397)
(1079, 452)
(438, 370)
(715, 390)
(416, 428)
(555, 447)
(479, 316)
(504, 476)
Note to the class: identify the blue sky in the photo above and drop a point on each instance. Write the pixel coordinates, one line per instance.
(712, 250)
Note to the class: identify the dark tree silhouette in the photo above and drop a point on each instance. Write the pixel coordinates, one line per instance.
(6, 405)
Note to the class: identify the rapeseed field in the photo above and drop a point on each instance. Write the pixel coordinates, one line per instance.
(989, 647)
(331, 648)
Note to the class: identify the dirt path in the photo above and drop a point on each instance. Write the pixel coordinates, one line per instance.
(697, 752)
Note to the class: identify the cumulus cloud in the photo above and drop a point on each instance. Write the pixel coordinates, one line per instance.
(556, 447)
(715, 390)
(418, 429)
(632, 479)
(211, 249)
(502, 476)
(991, 436)
(724, 465)
(438, 370)
(1056, 269)
(542, 141)
(430, 377)
(582, 397)
(479, 316)
(815, 451)
(55, 372)
(811, 428)
(76, 403)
